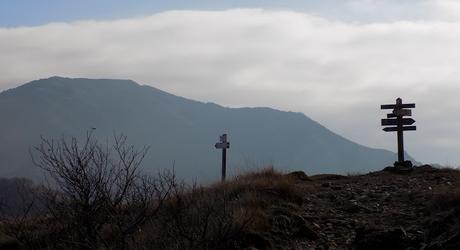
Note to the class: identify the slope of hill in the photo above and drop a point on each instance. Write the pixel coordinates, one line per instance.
(180, 132)
(271, 210)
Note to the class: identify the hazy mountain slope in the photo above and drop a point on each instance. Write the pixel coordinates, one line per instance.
(180, 131)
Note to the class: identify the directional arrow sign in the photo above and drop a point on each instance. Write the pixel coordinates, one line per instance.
(397, 106)
(222, 145)
(402, 121)
(407, 128)
(402, 112)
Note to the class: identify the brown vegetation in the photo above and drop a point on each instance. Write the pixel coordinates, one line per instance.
(99, 200)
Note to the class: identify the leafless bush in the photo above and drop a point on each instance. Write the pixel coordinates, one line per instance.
(97, 193)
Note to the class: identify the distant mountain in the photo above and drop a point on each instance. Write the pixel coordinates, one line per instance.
(181, 132)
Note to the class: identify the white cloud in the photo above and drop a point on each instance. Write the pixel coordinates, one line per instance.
(336, 72)
(445, 9)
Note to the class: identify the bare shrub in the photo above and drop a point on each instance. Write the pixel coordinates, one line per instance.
(98, 197)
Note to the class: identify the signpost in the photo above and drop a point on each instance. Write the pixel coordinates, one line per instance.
(390, 122)
(399, 124)
(223, 144)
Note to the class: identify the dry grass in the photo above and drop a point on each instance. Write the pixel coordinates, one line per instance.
(266, 185)
(257, 191)
(220, 216)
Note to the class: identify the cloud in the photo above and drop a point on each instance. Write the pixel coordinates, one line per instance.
(334, 71)
(445, 9)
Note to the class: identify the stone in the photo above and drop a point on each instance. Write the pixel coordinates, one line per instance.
(299, 175)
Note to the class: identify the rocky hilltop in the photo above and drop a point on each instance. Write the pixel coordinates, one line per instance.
(379, 210)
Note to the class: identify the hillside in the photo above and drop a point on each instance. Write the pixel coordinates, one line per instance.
(271, 210)
(180, 132)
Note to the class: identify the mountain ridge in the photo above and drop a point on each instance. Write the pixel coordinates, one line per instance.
(180, 131)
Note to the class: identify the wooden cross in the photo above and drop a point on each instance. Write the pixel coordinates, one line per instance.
(223, 144)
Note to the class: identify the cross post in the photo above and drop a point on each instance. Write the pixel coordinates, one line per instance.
(223, 144)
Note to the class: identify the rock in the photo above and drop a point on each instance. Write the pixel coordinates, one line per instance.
(426, 169)
(388, 169)
(299, 175)
(405, 164)
(399, 169)
(329, 177)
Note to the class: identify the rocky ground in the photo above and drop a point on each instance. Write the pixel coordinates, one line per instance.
(419, 209)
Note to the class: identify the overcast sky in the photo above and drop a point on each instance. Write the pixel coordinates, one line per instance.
(336, 61)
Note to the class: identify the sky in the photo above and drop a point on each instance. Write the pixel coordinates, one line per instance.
(335, 61)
